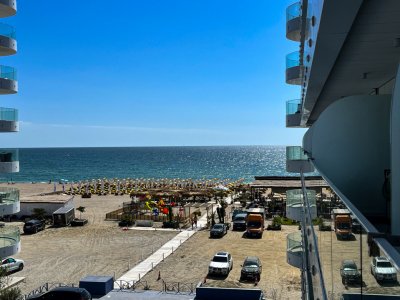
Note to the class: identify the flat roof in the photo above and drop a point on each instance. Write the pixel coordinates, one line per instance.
(146, 295)
(287, 182)
(47, 198)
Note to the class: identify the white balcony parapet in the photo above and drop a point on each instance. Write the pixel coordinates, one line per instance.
(10, 242)
(295, 204)
(8, 80)
(293, 22)
(293, 113)
(294, 250)
(9, 201)
(9, 161)
(8, 8)
(8, 43)
(9, 120)
(294, 70)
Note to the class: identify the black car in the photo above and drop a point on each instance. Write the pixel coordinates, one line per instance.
(251, 269)
(33, 226)
(239, 222)
(349, 272)
(218, 230)
(64, 293)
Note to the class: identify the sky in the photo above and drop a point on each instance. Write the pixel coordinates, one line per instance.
(150, 73)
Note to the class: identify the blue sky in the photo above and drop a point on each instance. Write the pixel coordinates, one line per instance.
(151, 73)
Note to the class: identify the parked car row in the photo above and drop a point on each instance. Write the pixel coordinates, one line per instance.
(381, 269)
(222, 264)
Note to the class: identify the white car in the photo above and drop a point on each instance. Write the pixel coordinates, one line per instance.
(12, 265)
(221, 264)
(382, 269)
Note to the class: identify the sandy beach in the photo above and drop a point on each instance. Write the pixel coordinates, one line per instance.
(65, 255)
(70, 253)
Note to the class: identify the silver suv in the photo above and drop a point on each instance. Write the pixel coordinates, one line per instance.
(221, 264)
(382, 269)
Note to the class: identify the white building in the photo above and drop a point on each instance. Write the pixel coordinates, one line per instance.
(9, 197)
(347, 70)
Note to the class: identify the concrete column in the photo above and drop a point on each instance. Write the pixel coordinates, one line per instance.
(395, 156)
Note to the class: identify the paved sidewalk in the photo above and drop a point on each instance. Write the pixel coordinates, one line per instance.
(147, 265)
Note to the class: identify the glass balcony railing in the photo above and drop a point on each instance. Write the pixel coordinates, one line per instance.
(9, 195)
(9, 155)
(7, 72)
(9, 236)
(293, 11)
(8, 114)
(295, 153)
(293, 60)
(295, 197)
(294, 242)
(293, 106)
(7, 30)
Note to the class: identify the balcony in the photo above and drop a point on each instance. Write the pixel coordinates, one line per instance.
(8, 8)
(294, 204)
(297, 161)
(293, 113)
(8, 43)
(10, 243)
(294, 250)
(293, 22)
(9, 201)
(8, 80)
(294, 71)
(9, 161)
(8, 120)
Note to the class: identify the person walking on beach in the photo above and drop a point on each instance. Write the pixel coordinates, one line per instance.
(195, 221)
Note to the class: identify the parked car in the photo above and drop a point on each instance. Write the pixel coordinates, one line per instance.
(239, 222)
(64, 293)
(221, 264)
(382, 269)
(251, 268)
(349, 272)
(12, 265)
(33, 226)
(218, 230)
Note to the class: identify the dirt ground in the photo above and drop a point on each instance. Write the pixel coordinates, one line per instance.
(100, 248)
(189, 264)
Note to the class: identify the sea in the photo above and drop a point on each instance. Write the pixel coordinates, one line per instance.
(205, 162)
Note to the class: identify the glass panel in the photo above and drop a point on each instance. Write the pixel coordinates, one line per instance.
(295, 197)
(8, 114)
(295, 153)
(294, 240)
(9, 195)
(293, 106)
(293, 11)
(9, 235)
(7, 30)
(293, 59)
(9, 155)
(8, 73)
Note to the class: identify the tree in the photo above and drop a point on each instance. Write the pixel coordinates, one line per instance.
(39, 213)
(81, 210)
(8, 293)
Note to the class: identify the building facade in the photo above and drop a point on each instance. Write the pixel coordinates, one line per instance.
(9, 161)
(347, 70)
